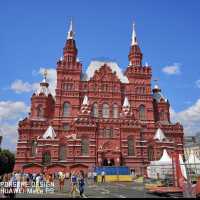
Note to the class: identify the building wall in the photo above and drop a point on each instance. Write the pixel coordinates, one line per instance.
(105, 86)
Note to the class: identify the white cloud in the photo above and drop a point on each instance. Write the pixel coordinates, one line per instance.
(10, 136)
(172, 69)
(190, 118)
(10, 112)
(19, 86)
(198, 83)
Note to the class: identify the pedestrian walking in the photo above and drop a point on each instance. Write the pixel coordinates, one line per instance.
(73, 184)
(103, 176)
(81, 183)
(95, 176)
(61, 180)
(37, 187)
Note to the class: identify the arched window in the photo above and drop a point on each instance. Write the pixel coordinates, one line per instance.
(105, 111)
(108, 133)
(115, 111)
(65, 127)
(46, 158)
(66, 109)
(142, 112)
(33, 147)
(95, 87)
(162, 115)
(143, 90)
(95, 111)
(62, 152)
(39, 111)
(84, 146)
(130, 146)
(150, 153)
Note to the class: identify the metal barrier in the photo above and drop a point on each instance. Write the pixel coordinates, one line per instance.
(110, 170)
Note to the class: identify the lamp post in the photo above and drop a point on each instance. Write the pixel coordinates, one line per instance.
(118, 162)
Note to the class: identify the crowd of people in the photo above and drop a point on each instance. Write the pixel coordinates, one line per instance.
(20, 182)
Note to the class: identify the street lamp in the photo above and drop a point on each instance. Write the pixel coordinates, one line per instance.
(118, 160)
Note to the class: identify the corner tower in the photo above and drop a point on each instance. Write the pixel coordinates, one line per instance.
(69, 71)
(139, 88)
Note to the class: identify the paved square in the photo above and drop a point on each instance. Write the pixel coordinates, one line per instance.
(105, 190)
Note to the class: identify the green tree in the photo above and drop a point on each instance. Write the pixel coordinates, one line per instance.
(7, 161)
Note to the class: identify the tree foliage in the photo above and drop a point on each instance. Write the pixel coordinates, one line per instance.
(7, 161)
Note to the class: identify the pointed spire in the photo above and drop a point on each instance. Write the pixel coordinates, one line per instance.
(135, 54)
(85, 100)
(126, 102)
(156, 88)
(45, 76)
(61, 58)
(134, 38)
(43, 88)
(159, 135)
(71, 33)
(49, 133)
(70, 51)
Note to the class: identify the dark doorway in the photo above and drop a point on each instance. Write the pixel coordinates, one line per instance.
(105, 162)
(112, 162)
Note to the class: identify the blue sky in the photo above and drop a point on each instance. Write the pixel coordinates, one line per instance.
(33, 33)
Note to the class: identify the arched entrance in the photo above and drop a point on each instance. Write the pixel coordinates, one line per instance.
(108, 162)
(109, 155)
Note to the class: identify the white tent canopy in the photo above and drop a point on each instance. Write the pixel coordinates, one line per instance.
(50, 133)
(159, 135)
(161, 167)
(193, 162)
(193, 159)
(165, 159)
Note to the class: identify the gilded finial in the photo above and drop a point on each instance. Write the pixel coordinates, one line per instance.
(156, 83)
(45, 75)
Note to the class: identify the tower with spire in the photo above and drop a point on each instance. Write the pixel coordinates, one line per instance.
(42, 101)
(69, 71)
(139, 77)
(135, 54)
(161, 106)
(70, 51)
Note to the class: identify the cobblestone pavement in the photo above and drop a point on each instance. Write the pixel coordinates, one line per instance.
(105, 190)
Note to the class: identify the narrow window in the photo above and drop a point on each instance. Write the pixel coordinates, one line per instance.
(62, 152)
(84, 147)
(130, 146)
(150, 153)
(142, 112)
(105, 111)
(66, 109)
(46, 158)
(39, 111)
(95, 110)
(115, 111)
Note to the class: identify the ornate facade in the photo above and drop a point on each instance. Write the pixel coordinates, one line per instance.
(98, 118)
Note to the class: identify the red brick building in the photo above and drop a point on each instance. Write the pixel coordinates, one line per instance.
(97, 118)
